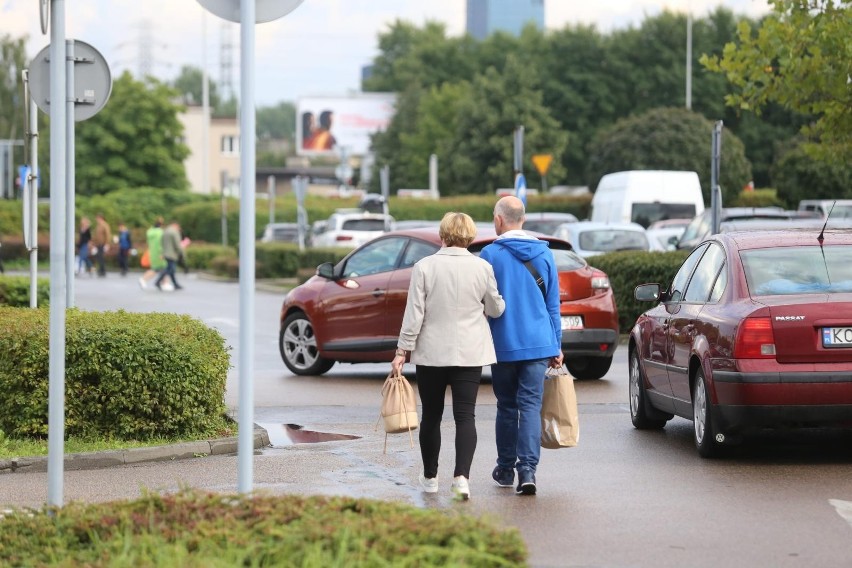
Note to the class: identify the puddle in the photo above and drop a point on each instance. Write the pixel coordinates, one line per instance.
(289, 434)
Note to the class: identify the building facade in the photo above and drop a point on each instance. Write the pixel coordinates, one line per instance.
(487, 16)
(223, 151)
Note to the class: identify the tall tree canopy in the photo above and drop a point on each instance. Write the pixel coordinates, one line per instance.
(133, 142)
(800, 56)
(12, 61)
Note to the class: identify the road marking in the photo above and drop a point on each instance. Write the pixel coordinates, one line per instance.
(844, 509)
(223, 321)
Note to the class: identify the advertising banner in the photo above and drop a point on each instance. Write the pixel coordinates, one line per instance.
(325, 124)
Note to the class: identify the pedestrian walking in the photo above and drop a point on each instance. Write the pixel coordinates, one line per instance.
(101, 239)
(445, 330)
(172, 253)
(84, 264)
(125, 244)
(154, 243)
(527, 339)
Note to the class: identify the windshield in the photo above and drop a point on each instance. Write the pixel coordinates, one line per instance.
(364, 225)
(608, 240)
(798, 270)
(647, 213)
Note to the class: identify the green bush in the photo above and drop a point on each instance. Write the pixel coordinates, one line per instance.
(759, 198)
(129, 376)
(276, 260)
(192, 528)
(199, 255)
(628, 269)
(15, 291)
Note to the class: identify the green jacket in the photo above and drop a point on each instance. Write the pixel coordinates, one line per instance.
(154, 237)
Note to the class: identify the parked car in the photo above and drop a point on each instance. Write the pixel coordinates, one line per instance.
(590, 238)
(670, 224)
(280, 233)
(754, 331)
(546, 222)
(840, 208)
(352, 312)
(414, 224)
(351, 229)
(700, 227)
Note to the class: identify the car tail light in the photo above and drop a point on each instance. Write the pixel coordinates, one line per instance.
(600, 283)
(343, 238)
(755, 339)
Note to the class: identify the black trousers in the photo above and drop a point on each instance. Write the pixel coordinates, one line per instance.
(432, 385)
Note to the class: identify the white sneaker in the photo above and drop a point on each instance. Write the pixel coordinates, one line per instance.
(461, 488)
(429, 485)
(142, 283)
(166, 287)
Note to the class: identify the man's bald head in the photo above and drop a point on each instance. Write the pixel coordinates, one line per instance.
(508, 214)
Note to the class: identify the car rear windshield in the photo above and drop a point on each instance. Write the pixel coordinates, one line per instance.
(364, 225)
(608, 240)
(798, 270)
(647, 213)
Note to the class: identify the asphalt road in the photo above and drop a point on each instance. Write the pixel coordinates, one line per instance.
(621, 498)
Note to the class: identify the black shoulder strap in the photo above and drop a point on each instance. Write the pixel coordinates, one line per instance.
(538, 279)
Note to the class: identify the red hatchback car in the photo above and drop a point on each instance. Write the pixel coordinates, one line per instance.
(352, 312)
(754, 332)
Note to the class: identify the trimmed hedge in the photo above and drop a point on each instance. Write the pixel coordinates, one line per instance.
(128, 376)
(628, 269)
(15, 291)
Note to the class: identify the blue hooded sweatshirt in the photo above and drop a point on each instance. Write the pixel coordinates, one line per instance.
(531, 327)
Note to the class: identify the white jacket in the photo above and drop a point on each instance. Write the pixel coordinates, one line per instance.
(444, 324)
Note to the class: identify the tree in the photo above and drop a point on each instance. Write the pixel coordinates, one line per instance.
(669, 139)
(190, 82)
(797, 176)
(133, 142)
(12, 61)
(801, 58)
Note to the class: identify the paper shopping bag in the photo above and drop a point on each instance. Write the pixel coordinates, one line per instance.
(560, 419)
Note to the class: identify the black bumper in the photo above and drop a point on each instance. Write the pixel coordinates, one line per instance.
(588, 342)
(743, 418)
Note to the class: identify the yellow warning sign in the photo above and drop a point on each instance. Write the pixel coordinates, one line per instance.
(542, 162)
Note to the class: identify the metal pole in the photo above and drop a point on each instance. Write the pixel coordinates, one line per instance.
(245, 449)
(33, 197)
(270, 191)
(225, 182)
(205, 110)
(689, 59)
(56, 379)
(70, 185)
(433, 176)
(715, 190)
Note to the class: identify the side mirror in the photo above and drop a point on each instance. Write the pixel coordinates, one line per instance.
(326, 270)
(647, 293)
(673, 241)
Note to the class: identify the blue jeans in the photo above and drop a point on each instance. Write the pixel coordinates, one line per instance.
(518, 386)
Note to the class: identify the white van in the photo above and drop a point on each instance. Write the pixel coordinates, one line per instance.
(646, 196)
(842, 208)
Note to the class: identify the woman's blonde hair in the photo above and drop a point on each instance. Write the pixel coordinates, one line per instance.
(457, 229)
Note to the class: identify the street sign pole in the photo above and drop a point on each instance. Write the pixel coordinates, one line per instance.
(56, 370)
(70, 168)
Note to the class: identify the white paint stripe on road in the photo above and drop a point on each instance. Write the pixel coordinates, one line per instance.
(844, 509)
(223, 321)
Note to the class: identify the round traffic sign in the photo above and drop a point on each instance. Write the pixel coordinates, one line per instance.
(92, 80)
(265, 10)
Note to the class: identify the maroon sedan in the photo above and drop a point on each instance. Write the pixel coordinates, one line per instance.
(754, 332)
(352, 312)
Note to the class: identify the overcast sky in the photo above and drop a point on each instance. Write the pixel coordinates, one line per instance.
(318, 49)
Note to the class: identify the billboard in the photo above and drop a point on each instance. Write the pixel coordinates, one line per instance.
(326, 124)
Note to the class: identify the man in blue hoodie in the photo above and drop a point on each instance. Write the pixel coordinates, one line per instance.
(527, 340)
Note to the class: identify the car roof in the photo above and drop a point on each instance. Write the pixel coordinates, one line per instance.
(592, 225)
(744, 240)
(544, 215)
(483, 235)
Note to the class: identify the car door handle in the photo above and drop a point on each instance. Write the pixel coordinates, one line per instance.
(377, 293)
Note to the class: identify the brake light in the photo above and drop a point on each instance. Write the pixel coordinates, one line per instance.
(755, 339)
(343, 238)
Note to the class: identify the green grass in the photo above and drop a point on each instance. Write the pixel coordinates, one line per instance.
(195, 529)
(15, 448)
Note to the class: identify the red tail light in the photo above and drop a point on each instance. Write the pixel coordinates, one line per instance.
(755, 339)
(343, 238)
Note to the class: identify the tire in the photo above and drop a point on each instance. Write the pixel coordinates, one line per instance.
(588, 368)
(702, 419)
(641, 413)
(298, 346)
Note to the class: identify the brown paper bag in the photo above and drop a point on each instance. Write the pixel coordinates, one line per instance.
(560, 419)
(399, 407)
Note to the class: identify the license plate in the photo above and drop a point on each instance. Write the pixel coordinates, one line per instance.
(572, 322)
(831, 336)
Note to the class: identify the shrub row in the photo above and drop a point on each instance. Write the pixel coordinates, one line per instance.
(15, 291)
(129, 376)
(192, 528)
(628, 269)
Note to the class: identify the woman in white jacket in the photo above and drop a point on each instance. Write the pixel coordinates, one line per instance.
(446, 331)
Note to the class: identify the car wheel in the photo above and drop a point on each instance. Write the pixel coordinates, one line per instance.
(640, 408)
(702, 419)
(588, 368)
(298, 346)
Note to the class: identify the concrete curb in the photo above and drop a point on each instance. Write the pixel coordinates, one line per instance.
(112, 458)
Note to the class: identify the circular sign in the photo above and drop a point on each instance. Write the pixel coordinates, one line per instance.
(92, 80)
(265, 10)
(44, 14)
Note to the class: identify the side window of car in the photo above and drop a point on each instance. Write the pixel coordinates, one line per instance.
(704, 276)
(372, 258)
(719, 285)
(415, 251)
(681, 279)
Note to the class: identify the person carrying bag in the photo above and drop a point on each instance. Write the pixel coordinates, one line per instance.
(560, 419)
(399, 407)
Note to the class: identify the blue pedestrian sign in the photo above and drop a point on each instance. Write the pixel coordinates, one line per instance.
(521, 188)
